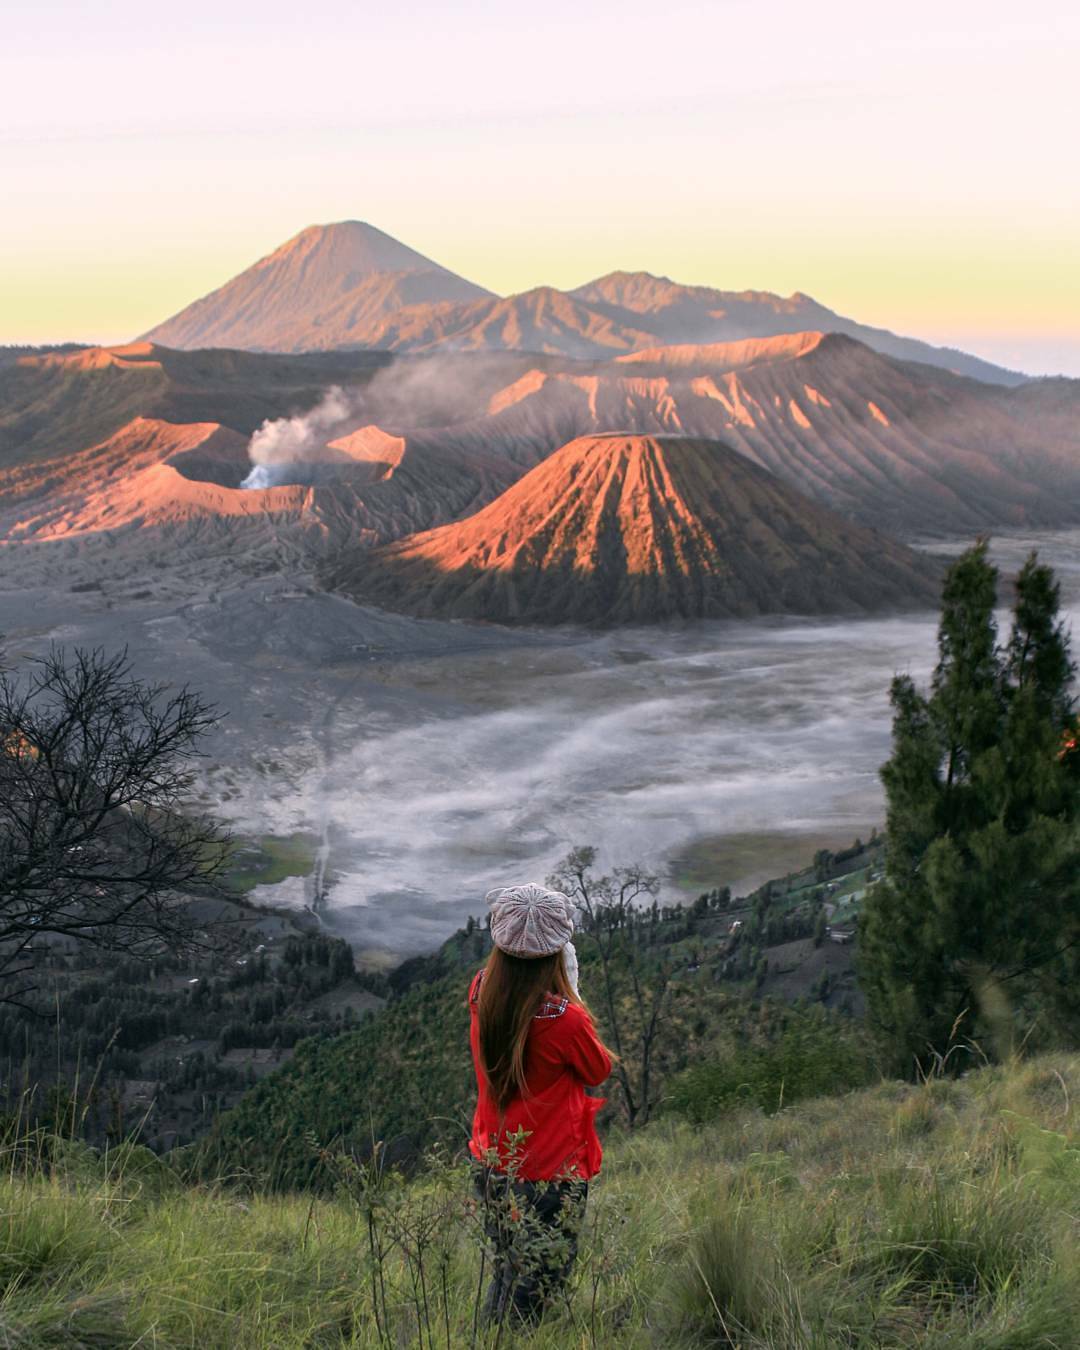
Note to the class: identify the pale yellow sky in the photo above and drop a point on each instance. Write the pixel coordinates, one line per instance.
(912, 169)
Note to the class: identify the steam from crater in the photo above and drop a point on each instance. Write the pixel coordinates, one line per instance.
(280, 445)
(421, 392)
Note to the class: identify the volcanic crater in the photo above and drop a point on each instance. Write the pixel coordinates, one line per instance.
(624, 528)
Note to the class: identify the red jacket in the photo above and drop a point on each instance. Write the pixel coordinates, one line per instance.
(562, 1057)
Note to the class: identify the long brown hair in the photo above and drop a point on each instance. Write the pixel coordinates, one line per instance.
(511, 993)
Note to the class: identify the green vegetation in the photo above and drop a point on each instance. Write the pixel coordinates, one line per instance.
(109, 1044)
(269, 860)
(403, 1079)
(764, 1187)
(704, 859)
(977, 926)
(940, 1215)
(97, 836)
(812, 1055)
(167, 1046)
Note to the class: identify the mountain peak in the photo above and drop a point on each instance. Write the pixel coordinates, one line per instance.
(349, 285)
(353, 245)
(620, 528)
(327, 287)
(620, 276)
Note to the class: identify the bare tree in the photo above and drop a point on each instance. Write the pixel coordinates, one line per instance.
(616, 911)
(96, 843)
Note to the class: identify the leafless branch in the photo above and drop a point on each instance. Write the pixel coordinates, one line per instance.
(612, 910)
(97, 841)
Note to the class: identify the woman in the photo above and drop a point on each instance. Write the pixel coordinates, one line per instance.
(535, 1050)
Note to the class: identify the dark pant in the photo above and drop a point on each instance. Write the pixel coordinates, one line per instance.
(533, 1228)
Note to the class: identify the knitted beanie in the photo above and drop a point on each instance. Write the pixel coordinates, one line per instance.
(532, 921)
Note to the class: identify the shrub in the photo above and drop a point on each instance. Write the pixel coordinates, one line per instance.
(960, 1234)
(814, 1056)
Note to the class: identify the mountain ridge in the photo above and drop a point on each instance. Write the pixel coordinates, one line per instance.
(350, 286)
(895, 445)
(704, 314)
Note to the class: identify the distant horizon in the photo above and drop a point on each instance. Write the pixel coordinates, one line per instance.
(911, 174)
(975, 344)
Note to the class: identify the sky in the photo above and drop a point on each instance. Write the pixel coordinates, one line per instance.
(913, 166)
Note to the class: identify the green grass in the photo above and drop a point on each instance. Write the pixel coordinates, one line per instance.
(940, 1215)
(404, 1076)
(269, 859)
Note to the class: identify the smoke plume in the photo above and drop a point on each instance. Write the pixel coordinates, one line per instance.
(411, 393)
(279, 445)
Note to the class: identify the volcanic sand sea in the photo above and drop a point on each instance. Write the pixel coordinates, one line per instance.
(438, 760)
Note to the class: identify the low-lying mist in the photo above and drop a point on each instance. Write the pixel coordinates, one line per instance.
(442, 759)
(640, 744)
(723, 754)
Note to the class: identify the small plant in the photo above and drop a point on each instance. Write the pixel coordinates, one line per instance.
(727, 1285)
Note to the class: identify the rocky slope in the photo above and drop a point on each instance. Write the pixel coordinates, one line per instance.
(895, 445)
(157, 495)
(540, 320)
(54, 403)
(635, 529)
(700, 314)
(110, 457)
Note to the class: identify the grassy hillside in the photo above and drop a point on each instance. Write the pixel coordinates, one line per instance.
(163, 1048)
(938, 1215)
(404, 1080)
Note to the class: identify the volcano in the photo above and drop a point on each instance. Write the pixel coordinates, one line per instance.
(891, 444)
(639, 529)
(349, 286)
(327, 288)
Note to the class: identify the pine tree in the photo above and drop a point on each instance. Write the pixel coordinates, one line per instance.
(1044, 794)
(975, 928)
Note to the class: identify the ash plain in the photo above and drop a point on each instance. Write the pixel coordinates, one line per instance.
(432, 761)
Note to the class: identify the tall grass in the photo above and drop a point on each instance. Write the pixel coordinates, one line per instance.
(940, 1215)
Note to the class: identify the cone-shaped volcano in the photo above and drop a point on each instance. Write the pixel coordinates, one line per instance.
(635, 529)
(324, 288)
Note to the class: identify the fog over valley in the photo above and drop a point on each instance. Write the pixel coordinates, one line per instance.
(436, 760)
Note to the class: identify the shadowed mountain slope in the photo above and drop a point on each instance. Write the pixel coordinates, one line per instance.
(542, 320)
(636, 529)
(54, 403)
